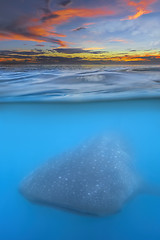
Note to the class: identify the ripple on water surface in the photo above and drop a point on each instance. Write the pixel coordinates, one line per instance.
(77, 83)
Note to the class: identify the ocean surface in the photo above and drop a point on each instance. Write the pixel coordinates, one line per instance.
(46, 110)
(77, 83)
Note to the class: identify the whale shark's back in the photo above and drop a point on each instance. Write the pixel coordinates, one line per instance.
(95, 178)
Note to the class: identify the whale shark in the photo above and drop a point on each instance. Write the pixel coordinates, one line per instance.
(95, 178)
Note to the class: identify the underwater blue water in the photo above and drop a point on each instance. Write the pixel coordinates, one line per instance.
(31, 133)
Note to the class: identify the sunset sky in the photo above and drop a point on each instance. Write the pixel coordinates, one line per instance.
(80, 31)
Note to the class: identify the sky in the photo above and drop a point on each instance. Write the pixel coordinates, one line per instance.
(80, 31)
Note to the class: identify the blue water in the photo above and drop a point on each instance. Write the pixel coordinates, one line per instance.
(45, 110)
(32, 133)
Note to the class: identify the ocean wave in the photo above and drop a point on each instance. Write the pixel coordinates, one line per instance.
(77, 83)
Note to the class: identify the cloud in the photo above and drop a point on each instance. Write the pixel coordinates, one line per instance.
(88, 24)
(58, 59)
(141, 8)
(74, 50)
(40, 45)
(10, 53)
(48, 2)
(29, 31)
(118, 40)
(84, 26)
(138, 58)
(51, 56)
(65, 3)
(35, 56)
(78, 29)
(41, 28)
(141, 33)
(155, 44)
(65, 15)
(93, 48)
(47, 8)
(49, 16)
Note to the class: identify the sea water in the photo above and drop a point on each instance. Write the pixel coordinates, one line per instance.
(77, 83)
(41, 117)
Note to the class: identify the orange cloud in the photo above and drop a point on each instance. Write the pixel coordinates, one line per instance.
(62, 16)
(118, 40)
(42, 28)
(8, 60)
(141, 8)
(88, 24)
(88, 57)
(14, 36)
(55, 18)
(93, 48)
(34, 38)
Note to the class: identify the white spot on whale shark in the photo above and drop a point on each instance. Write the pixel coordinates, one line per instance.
(96, 178)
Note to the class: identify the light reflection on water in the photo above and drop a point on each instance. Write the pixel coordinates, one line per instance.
(77, 83)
